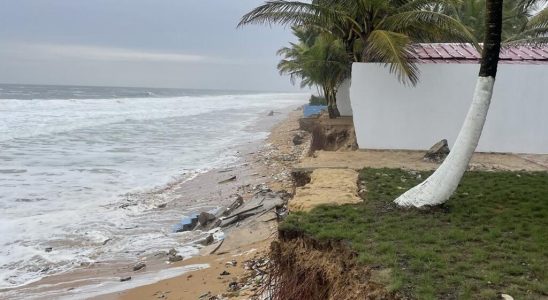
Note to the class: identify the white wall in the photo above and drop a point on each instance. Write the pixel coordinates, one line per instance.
(343, 99)
(389, 115)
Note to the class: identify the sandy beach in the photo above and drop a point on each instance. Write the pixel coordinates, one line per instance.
(272, 164)
(262, 165)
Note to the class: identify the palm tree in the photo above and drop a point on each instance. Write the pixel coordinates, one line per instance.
(520, 22)
(317, 60)
(437, 188)
(369, 30)
(384, 30)
(327, 63)
(535, 30)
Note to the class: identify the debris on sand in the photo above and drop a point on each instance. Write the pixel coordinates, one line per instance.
(232, 178)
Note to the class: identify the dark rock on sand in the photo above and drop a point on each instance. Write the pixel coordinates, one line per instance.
(438, 152)
(207, 221)
(298, 139)
(206, 218)
(233, 286)
(175, 258)
(224, 273)
(208, 240)
(139, 266)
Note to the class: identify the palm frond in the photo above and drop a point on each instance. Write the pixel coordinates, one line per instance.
(538, 41)
(281, 12)
(534, 32)
(392, 49)
(540, 20)
(429, 5)
(429, 25)
(292, 13)
(530, 3)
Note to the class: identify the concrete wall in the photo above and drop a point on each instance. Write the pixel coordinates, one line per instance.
(389, 115)
(343, 99)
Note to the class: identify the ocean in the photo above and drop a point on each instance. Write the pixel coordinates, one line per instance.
(73, 158)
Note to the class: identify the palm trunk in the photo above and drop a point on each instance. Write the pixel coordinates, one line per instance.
(442, 184)
(329, 103)
(336, 113)
(332, 108)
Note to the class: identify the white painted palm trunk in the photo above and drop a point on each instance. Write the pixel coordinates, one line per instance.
(437, 188)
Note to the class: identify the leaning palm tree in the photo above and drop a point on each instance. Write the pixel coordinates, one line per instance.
(437, 188)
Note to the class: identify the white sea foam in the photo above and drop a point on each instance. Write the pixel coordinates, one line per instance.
(104, 285)
(67, 166)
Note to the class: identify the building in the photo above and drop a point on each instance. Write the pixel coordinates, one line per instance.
(390, 115)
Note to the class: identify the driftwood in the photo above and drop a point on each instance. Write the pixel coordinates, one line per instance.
(228, 180)
(242, 212)
(217, 248)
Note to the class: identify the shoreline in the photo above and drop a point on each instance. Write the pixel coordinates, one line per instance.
(209, 281)
(252, 168)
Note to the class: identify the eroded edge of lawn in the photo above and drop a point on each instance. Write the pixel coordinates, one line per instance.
(489, 238)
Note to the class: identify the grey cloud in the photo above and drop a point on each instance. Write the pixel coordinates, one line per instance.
(156, 43)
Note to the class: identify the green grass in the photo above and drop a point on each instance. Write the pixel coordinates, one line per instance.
(491, 237)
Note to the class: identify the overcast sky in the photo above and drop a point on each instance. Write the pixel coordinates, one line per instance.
(150, 43)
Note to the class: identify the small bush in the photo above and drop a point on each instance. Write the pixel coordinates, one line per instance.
(317, 100)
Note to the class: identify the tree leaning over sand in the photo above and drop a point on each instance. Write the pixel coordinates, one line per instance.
(370, 30)
(437, 188)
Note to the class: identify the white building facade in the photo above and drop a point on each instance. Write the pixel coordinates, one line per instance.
(390, 115)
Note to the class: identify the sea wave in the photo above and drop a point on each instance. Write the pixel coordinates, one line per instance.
(70, 166)
(27, 118)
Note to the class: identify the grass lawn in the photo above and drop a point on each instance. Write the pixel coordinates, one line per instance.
(490, 238)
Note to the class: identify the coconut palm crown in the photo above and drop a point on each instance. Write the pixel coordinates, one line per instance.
(318, 60)
(370, 30)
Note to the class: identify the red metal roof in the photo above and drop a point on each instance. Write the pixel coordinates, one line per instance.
(466, 53)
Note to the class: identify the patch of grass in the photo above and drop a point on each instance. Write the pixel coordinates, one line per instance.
(491, 237)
